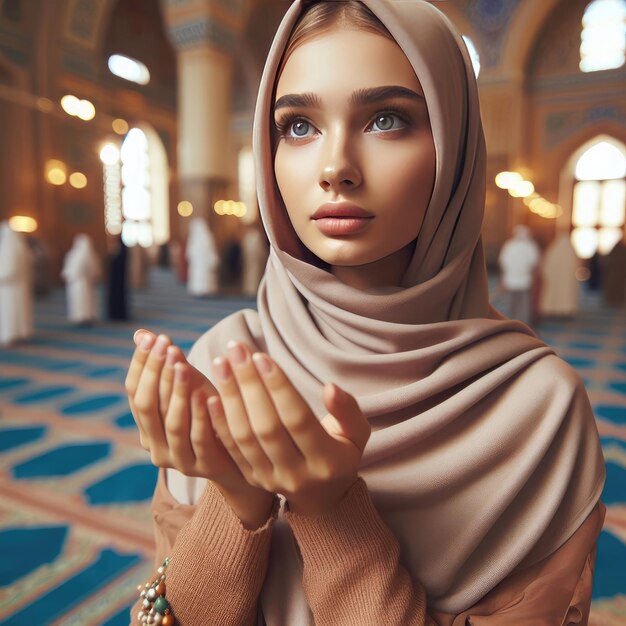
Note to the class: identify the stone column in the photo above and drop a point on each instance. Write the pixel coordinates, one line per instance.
(204, 33)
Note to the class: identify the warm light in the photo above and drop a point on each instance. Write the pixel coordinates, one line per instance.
(56, 172)
(86, 111)
(129, 69)
(119, 126)
(504, 180)
(521, 189)
(83, 109)
(528, 200)
(109, 154)
(23, 224)
(78, 180)
(220, 207)
(185, 208)
(585, 242)
(240, 209)
(70, 104)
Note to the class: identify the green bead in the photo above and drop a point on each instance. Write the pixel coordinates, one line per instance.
(161, 605)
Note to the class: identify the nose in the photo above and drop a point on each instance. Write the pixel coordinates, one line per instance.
(339, 170)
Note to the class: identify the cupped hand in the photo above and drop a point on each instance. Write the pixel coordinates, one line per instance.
(277, 442)
(168, 400)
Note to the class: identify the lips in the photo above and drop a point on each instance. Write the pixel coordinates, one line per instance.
(341, 210)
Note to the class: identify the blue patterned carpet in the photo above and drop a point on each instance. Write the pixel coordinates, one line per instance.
(75, 529)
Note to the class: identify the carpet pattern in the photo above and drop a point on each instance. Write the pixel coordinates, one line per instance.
(75, 528)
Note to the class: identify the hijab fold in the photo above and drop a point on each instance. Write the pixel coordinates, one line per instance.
(484, 456)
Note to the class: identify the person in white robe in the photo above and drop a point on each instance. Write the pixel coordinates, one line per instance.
(518, 262)
(16, 292)
(81, 271)
(560, 287)
(202, 258)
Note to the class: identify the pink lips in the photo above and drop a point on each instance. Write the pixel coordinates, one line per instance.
(341, 218)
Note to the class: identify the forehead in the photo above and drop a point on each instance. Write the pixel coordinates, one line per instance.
(344, 60)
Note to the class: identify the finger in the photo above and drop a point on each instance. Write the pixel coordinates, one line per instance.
(178, 422)
(144, 341)
(345, 419)
(147, 395)
(264, 421)
(237, 416)
(173, 355)
(220, 425)
(295, 414)
(212, 459)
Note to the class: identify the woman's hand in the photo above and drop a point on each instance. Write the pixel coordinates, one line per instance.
(276, 440)
(168, 399)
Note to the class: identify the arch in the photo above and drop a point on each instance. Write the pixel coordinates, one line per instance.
(157, 188)
(525, 27)
(568, 154)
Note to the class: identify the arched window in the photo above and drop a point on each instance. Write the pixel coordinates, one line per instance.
(603, 38)
(136, 183)
(473, 54)
(599, 206)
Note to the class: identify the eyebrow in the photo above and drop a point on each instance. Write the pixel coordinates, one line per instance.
(358, 98)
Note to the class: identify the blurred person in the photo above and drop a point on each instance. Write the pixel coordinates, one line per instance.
(117, 287)
(254, 251)
(81, 271)
(614, 275)
(203, 259)
(518, 261)
(16, 291)
(41, 265)
(560, 291)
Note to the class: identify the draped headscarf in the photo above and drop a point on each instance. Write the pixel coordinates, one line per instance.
(484, 456)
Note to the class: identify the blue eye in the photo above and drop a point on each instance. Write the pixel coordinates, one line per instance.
(300, 128)
(387, 121)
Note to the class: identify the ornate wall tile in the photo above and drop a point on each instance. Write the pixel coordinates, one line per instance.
(490, 19)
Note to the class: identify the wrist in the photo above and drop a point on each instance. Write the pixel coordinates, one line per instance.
(322, 501)
(253, 506)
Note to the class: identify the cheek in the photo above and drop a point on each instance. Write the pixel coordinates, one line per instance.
(410, 175)
(291, 174)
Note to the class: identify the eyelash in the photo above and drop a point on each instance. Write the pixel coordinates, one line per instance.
(284, 124)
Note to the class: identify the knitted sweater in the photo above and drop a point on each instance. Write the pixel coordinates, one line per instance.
(352, 572)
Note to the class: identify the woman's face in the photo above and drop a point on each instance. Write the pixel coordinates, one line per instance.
(354, 144)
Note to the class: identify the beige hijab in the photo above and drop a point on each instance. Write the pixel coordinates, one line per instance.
(484, 457)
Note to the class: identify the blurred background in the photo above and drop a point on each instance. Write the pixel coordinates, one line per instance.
(127, 199)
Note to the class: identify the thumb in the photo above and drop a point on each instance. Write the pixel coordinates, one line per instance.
(345, 420)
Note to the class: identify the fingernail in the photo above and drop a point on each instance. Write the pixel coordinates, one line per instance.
(180, 373)
(138, 336)
(170, 359)
(221, 369)
(236, 352)
(161, 345)
(263, 363)
(213, 404)
(146, 342)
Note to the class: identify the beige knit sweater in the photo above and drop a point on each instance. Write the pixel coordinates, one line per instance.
(352, 573)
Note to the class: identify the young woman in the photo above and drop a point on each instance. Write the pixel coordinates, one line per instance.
(376, 445)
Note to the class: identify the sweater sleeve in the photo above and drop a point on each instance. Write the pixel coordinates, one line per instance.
(352, 575)
(216, 566)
